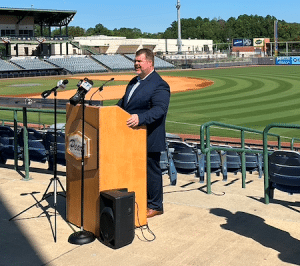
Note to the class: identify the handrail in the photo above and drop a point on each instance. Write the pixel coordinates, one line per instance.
(293, 141)
(25, 135)
(266, 157)
(206, 128)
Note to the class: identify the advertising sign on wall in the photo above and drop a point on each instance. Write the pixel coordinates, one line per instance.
(242, 42)
(247, 42)
(287, 60)
(258, 42)
(295, 60)
(237, 42)
(283, 60)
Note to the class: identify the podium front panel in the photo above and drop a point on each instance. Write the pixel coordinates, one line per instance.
(121, 162)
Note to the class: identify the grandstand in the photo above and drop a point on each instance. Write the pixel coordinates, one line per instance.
(31, 63)
(7, 66)
(77, 64)
(114, 62)
(56, 65)
(158, 62)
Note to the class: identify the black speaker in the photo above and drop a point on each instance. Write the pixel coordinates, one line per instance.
(117, 217)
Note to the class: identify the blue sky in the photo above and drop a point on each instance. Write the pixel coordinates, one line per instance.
(157, 15)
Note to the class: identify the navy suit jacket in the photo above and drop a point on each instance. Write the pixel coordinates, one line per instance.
(150, 101)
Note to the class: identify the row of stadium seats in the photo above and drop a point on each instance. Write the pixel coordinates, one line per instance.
(187, 158)
(283, 171)
(31, 63)
(7, 66)
(78, 64)
(114, 62)
(158, 62)
(179, 157)
(40, 146)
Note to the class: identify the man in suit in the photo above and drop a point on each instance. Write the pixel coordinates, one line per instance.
(147, 98)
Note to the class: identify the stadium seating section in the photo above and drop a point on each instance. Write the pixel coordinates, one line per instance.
(31, 63)
(180, 156)
(185, 157)
(71, 64)
(158, 62)
(77, 64)
(7, 66)
(114, 62)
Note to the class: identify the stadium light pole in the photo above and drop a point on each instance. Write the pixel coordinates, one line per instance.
(276, 37)
(179, 43)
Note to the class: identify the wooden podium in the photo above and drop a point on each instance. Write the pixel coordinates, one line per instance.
(115, 157)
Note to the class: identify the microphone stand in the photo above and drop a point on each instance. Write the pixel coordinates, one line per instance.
(82, 237)
(100, 89)
(53, 180)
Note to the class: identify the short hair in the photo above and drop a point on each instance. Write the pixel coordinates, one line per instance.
(147, 52)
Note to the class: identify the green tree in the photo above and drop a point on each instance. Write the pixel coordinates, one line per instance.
(101, 30)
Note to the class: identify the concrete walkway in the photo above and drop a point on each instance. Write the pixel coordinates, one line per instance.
(232, 226)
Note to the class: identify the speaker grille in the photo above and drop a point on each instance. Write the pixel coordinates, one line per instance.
(117, 217)
(107, 229)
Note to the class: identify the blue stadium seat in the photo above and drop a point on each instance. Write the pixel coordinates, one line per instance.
(7, 144)
(284, 172)
(37, 150)
(215, 162)
(167, 164)
(231, 162)
(254, 163)
(187, 159)
(61, 147)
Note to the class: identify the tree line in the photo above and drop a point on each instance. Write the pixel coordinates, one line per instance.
(218, 30)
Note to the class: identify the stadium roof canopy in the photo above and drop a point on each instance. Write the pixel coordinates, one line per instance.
(42, 17)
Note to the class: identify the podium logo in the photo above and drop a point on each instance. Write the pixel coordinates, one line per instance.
(74, 145)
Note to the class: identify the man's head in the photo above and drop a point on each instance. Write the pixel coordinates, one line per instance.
(144, 62)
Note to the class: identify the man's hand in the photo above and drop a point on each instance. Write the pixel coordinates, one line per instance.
(133, 121)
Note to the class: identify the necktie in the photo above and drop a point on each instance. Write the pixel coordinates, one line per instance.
(133, 89)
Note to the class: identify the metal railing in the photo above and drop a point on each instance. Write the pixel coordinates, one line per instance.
(206, 148)
(15, 122)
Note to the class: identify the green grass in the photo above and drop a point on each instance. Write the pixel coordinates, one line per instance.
(38, 85)
(252, 97)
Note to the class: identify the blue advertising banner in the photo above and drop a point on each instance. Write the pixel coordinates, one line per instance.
(296, 60)
(287, 60)
(237, 42)
(283, 60)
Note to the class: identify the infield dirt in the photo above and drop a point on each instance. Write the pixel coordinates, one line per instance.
(177, 84)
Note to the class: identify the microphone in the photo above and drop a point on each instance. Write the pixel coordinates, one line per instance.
(84, 87)
(62, 84)
(100, 89)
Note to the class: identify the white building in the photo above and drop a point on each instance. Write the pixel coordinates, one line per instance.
(121, 45)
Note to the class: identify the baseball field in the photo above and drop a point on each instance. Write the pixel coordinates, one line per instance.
(252, 97)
